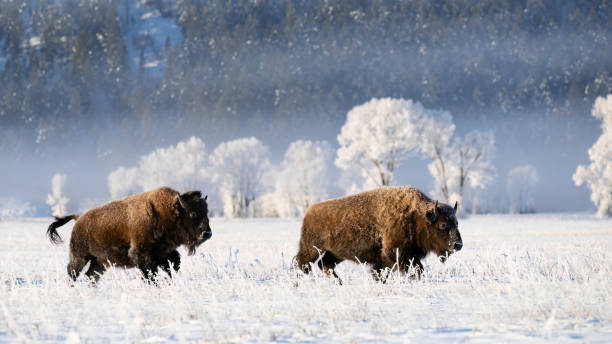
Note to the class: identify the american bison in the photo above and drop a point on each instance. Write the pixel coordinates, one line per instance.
(143, 230)
(383, 227)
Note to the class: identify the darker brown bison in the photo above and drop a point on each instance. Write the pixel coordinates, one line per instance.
(382, 227)
(142, 231)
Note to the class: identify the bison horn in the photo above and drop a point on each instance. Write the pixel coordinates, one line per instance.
(205, 197)
(455, 206)
(180, 199)
(436, 209)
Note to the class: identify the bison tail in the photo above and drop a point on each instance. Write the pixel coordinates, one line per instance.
(59, 221)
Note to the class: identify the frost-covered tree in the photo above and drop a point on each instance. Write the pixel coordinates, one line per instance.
(598, 175)
(377, 137)
(303, 177)
(56, 199)
(123, 182)
(436, 130)
(239, 166)
(179, 166)
(380, 134)
(465, 162)
(520, 183)
(472, 158)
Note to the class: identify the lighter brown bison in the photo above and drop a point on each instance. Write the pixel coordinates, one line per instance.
(383, 227)
(142, 231)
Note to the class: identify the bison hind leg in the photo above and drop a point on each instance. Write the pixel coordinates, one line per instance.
(75, 265)
(328, 263)
(95, 270)
(304, 257)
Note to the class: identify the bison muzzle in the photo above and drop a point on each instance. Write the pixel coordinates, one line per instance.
(386, 228)
(143, 231)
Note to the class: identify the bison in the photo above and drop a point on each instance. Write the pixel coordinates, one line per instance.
(143, 231)
(383, 227)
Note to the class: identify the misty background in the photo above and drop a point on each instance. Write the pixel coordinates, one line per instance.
(89, 86)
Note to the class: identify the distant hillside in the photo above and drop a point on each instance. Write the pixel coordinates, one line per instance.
(146, 67)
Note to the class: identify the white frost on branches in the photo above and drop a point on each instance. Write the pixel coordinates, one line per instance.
(123, 182)
(598, 175)
(180, 166)
(436, 132)
(471, 164)
(377, 137)
(520, 183)
(473, 155)
(465, 163)
(239, 166)
(380, 134)
(302, 179)
(56, 199)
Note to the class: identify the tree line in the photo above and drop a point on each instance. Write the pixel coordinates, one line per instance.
(67, 64)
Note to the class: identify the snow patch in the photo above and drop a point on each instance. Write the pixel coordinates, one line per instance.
(34, 41)
(520, 278)
(152, 64)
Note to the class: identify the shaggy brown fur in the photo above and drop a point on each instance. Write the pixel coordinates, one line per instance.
(383, 227)
(142, 230)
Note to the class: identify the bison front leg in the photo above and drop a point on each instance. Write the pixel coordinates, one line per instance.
(393, 259)
(385, 264)
(172, 262)
(412, 267)
(142, 260)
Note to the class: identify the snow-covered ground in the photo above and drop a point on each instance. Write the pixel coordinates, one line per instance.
(531, 278)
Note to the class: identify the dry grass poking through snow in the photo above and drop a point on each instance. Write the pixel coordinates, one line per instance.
(518, 278)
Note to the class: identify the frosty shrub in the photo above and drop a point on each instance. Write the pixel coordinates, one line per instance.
(55, 199)
(239, 166)
(598, 175)
(302, 179)
(180, 166)
(378, 136)
(521, 181)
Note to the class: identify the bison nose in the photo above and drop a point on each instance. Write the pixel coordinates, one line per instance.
(207, 235)
(458, 245)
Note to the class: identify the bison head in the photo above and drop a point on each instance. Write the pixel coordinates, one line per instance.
(192, 214)
(443, 229)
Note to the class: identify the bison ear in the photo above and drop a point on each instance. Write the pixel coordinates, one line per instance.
(455, 206)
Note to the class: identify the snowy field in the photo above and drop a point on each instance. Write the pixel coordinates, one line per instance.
(532, 278)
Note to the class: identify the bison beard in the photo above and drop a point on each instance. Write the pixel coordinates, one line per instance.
(142, 231)
(386, 227)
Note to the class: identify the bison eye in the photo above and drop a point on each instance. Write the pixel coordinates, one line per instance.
(443, 225)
